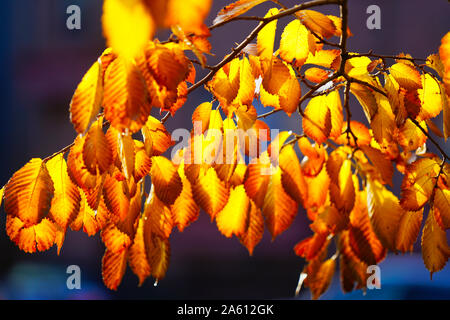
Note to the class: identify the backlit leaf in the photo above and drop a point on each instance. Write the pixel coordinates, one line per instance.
(166, 180)
(113, 268)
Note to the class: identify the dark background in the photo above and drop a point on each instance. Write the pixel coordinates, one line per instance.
(42, 62)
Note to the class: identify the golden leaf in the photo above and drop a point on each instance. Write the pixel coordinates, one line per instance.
(435, 250)
(292, 176)
(166, 180)
(233, 217)
(125, 99)
(29, 192)
(265, 40)
(279, 209)
(86, 100)
(66, 200)
(137, 255)
(113, 268)
(385, 213)
(127, 26)
(296, 43)
(317, 22)
(117, 197)
(317, 121)
(96, 150)
(406, 76)
(408, 230)
(254, 228)
(210, 192)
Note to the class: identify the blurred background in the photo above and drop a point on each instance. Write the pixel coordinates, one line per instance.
(42, 63)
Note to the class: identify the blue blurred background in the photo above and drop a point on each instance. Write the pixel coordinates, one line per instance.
(41, 64)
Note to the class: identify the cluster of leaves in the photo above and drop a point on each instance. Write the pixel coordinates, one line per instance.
(339, 173)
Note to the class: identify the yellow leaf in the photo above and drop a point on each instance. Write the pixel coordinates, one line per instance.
(114, 239)
(342, 191)
(256, 180)
(435, 250)
(325, 58)
(385, 213)
(66, 200)
(317, 121)
(142, 162)
(127, 26)
(91, 221)
(210, 192)
(166, 180)
(201, 115)
(296, 43)
(279, 209)
(406, 76)
(156, 134)
(430, 98)
(113, 268)
(233, 217)
(265, 41)
(86, 100)
(442, 203)
(158, 254)
(188, 14)
(380, 162)
(29, 193)
(446, 112)
(319, 282)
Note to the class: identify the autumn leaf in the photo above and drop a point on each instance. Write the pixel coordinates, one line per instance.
(266, 39)
(36, 237)
(165, 178)
(137, 256)
(125, 99)
(279, 208)
(317, 120)
(29, 192)
(65, 204)
(418, 183)
(96, 151)
(127, 26)
(319, 281)
(254, 228)
(296, 43)
(406, 76)
(210, 193)
(292, 176)
(385, 213)
(156, 137)
(158, 217)
(184, 210)
(117, 197)
(113, 268)
(236, 9)
(280, 88)
(435, 250)
(408, 230)
(317, 22)
(233, 217)
(86, 100)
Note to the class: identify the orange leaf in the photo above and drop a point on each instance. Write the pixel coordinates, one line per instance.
(254, 228)
(156, 134)
(125, 99)
(380, 162)
(86, 100)
(40, 236)
(279, 209)
(29, 193)
(406, 76)
(96, 150)
(166, 180)
(117, 197)
(158, 217)
(143, 162)
(292, 176)
(210, 192)
(408, 230)
(91, 221)
(418, 183)
(316, 75)
(184, 210)
(435, 250)
(137, 256)
(317, 22)
(114, 266)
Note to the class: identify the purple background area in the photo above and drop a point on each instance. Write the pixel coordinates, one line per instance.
(42, 62)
